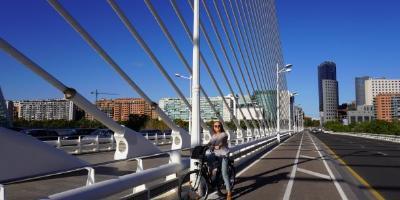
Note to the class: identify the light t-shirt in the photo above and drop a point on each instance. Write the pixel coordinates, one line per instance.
(220, 139)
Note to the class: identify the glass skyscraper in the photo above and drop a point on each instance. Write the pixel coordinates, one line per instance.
(326, 71)
(360, 90)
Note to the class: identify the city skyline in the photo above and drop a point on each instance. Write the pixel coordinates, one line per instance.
(351, 50)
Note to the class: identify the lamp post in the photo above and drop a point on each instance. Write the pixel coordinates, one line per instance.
(285, 69)
(290, 109)
(190, 94)
(298, 118)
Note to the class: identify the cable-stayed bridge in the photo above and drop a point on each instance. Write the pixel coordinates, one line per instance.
(235, 44)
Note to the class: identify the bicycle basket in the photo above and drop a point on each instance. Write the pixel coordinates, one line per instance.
(198, 152)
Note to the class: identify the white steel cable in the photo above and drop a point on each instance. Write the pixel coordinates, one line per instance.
(254, 53)
(237, 64)
(180, 55)
(247, 54)
(215, 83)
(150, 53)
(227, 59)
(218, 61)
(85, 35)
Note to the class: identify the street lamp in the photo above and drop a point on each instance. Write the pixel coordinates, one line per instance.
(285, 69)
(290, 109)
(298, 118)
(190, 95)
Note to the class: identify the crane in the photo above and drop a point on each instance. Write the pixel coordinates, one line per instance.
(96, 93)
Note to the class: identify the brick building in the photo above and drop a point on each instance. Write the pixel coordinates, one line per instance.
(387, 107)
(120, 109)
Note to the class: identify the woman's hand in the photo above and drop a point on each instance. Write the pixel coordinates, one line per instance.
(217, 147)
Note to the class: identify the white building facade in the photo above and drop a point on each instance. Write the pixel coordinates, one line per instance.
(52, 109)
(363, 113)
(374, 87)
(329, 96)
(175, 108)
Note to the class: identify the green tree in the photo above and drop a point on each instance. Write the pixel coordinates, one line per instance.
(182, 124)
(156, 124)
(136, 122)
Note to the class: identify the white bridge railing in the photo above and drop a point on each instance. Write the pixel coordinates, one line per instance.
(241, 153)
(384, 137)
(85, 144)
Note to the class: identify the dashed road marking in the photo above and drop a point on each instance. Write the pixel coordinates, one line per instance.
(308, 157)
(323, 176)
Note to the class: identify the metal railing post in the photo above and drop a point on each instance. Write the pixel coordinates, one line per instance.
(59, 142)
(112, 142)
(79, 150)
(156, 139)
(97, 147)
(165, 139)
(139, 168)
(91, 176)
(2, 192)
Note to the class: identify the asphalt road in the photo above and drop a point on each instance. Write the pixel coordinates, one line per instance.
(377, 162)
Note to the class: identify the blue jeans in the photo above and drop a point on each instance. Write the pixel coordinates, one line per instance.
(225, 175)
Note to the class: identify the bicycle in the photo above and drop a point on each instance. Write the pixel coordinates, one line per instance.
(199, 189)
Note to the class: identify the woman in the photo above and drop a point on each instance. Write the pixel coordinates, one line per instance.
(219, 141)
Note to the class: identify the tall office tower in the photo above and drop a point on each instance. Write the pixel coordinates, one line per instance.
(377, 86)
(360, 90)
(328, 91)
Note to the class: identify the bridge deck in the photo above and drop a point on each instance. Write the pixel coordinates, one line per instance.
(302, 167)
(297, 169)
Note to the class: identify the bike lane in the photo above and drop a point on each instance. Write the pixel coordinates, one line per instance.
(296, 169)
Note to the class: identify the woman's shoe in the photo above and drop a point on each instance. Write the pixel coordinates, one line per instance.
(229, 196)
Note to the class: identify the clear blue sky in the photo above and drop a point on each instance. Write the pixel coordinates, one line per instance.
(361, 36)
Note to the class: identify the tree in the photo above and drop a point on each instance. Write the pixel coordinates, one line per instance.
(156, 124)
(308, 122)
(182, 124)
(136, 122)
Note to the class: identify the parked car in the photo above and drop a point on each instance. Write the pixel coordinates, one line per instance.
(101, 133)
(18, 129)
(150, 132)
(42, 134)
(73, 134)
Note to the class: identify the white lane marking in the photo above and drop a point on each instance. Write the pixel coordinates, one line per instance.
(323, 176)
(308, 157)
(337, 185)
(289, 186)
(382, 154)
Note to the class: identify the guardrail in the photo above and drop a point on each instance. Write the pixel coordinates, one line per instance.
(168, 172)
(383, 137)
(86, 144)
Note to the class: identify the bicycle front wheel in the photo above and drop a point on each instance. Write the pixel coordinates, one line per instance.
(195, 189)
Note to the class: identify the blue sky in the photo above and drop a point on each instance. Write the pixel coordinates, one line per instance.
(361, 36)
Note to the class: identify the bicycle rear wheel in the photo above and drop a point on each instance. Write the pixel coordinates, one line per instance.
(221, 188)
(193, 190)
